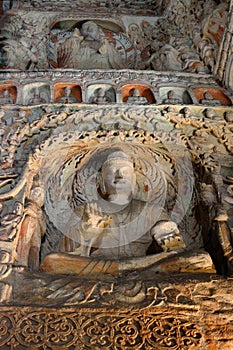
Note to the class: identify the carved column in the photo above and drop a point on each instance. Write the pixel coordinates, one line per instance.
(224, 67)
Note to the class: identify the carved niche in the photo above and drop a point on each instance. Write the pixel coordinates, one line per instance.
(83, 245)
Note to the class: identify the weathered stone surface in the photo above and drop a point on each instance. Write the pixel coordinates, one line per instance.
(184, 313)
(116, 180)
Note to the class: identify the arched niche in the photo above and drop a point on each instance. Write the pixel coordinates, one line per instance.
(104, 46)
(143, 90)
(100, 93)
(36, 93)
(174, 95)
(217, 97)
(8, 94)
(67, 93)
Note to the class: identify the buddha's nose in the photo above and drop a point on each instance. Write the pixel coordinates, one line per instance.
(119, 174)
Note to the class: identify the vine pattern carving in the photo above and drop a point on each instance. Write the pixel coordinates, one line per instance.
(52, 329)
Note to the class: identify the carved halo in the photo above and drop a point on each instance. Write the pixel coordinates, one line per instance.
(151, 182)
(73, 181)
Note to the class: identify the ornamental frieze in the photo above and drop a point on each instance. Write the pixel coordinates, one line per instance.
(22, 328)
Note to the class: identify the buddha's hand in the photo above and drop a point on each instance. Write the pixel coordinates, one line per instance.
(94, 219)
(104, 47)
(93, 224)
(167, 235)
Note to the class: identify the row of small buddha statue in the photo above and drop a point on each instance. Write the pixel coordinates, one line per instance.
(105, 96)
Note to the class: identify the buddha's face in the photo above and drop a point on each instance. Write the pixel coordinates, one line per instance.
(67, 91)
(208, 96)
(118, 177)
(170, 94)
(135, 93)
(5, 93)
(100, 93)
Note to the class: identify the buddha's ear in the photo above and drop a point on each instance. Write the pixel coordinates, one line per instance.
(100, 183)
(134, 185)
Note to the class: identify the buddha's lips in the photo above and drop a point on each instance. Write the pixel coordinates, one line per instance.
(120, 181)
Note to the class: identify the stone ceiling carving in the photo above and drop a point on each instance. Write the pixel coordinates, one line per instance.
(186, 39)
(135, 7)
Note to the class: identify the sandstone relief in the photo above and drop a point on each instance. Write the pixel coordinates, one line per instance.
(116, 180)
(49, 41)
(95, 198)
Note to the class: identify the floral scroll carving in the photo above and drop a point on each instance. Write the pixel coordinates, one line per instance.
(96, 330)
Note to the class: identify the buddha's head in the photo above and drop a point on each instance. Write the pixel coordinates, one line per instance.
(6, 93)
(171, 94)
(134, 92)
(67, 91)
(117, 178)
(99, 92)
(208, 96)
(133, 29)
(91, 31)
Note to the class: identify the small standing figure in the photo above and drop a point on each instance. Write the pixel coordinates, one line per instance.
(147, 31)
(136, 98)
(67, 96)
(9, 223)
(135, 35)
(32, 229)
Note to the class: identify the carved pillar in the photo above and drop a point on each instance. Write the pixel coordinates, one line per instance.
(224, 66)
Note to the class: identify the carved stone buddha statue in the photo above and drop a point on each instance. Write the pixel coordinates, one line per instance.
(89, 49)
(209, 100)
(67, 96)
(115, 232)
(136, 98)
(172, 98)
(6, 98)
